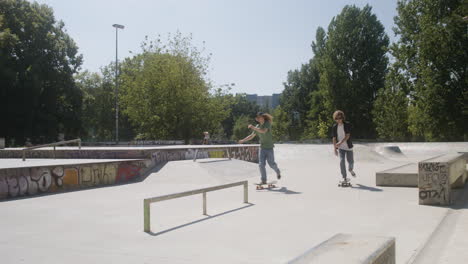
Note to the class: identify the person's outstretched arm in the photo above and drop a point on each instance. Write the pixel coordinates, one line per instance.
(249, 137)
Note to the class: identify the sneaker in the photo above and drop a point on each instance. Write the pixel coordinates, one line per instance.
(352, 173)
(278, 176)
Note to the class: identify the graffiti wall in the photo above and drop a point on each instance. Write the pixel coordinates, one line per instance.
(433, 183)
(242, 152)
(246, 153)
(31, 181)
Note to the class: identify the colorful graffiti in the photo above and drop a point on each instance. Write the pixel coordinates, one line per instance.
(30, 181)
(246, 153)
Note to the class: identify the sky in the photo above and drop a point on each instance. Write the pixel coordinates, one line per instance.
(254, 43)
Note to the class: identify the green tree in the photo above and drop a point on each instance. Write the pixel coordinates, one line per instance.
(353, 66)
(39, 98)
(295, 98)
(317, 118)
(239, 106)
(240, 130)
(165, 92)
(432, 52)
(390, 113)
(98, 109)
(281, 124)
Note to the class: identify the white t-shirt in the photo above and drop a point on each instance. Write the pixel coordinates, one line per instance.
(341, 136)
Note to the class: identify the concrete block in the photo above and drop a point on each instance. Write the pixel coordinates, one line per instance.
(2, 143)
(402, 176)
(437, 176)
(351, 249)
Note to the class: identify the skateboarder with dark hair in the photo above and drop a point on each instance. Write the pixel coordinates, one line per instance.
(266, 153)
(342, 143)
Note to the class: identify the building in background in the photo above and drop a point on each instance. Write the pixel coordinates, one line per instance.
(264, 101)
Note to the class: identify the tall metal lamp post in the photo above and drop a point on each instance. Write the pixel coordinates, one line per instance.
(117, 26)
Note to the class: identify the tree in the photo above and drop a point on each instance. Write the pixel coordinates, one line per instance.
(241, 130)
(353, 66)
(431, 54)
(281, 124)
(39, 98)
(295, 99)
(98, 109)
(239, 106)
(165, 92)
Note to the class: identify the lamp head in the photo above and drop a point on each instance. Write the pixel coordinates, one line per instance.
(118, 26)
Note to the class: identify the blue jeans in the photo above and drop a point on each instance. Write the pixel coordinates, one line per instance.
(267, 155)
(350, 157)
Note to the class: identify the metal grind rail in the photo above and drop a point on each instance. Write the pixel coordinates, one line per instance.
(52, 145)
(148, 201)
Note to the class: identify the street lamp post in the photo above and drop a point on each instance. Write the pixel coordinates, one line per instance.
(117, 26)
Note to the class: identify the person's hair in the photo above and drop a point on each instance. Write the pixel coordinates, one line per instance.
(338, 113)
(266, 116)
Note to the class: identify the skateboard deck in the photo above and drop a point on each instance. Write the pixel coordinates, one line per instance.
(261, 186)
(345, 183)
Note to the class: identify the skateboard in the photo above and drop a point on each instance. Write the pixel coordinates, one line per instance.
(260, 186)
(345, 183)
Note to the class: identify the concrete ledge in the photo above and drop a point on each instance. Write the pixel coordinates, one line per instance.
(351, 249)
(246, 152)
(402, 176)
(438, 175)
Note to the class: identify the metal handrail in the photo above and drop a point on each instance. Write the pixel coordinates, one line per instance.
(52, 145)
(148, 201)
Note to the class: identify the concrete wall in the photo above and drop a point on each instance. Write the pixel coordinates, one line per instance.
(18, 182)
(242, 152)
(436, 176)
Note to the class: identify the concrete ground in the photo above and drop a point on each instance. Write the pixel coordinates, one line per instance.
(105, 225)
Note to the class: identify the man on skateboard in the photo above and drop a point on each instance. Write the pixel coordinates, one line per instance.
(266, 153)
(343, 146)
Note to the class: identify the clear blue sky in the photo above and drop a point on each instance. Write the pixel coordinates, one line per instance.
(254, 42)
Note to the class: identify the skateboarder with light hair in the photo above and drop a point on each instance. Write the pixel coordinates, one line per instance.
(342, 143)
(266, 153)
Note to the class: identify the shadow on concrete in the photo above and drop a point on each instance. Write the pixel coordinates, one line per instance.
(366, 188)
(280, 190)
(200, 220)
(460, 198)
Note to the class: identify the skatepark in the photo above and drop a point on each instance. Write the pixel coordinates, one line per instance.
(104, 224)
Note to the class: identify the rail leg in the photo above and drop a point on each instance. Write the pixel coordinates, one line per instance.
(246, 193)
(195, 157)
(146, 216)
(204, 204)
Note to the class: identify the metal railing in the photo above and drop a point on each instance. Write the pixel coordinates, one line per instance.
(52, 145)
(148, 201)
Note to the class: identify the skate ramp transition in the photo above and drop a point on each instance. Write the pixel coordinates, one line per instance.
(78, 168)
(351, 249)
(406, 173)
